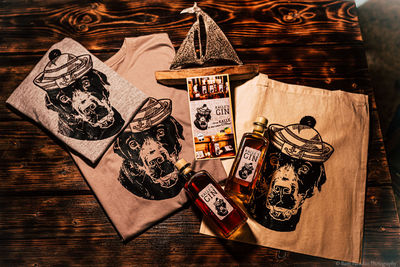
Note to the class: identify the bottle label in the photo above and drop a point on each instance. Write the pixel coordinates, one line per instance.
(247, 164)
(200, 154)
(217, 150)
(215, 201)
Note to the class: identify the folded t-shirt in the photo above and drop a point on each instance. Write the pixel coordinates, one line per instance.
(135, 181)
(78, 98)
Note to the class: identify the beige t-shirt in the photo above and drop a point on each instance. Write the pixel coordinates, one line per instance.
(135, 181)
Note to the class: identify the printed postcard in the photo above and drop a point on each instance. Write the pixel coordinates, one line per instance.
(211, 116)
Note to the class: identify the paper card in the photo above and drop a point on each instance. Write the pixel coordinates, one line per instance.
(211, 116)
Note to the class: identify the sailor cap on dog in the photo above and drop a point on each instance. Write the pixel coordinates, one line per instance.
(300, 141)
(152, 113)
(204, 110)
(62, 70)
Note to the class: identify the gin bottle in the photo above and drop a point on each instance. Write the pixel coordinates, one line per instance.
(218, 209)
(246, 168)
(215, 149)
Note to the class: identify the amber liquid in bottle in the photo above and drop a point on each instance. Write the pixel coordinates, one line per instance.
(219, 210)
(215, 149)
(247, 167)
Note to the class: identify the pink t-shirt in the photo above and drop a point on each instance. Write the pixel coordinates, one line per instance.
(135, 181)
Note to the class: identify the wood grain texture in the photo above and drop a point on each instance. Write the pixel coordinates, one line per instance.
(380, 232)
(32, 161)
(235, 72)
(48, 214)
(77, 223)
(98, 25)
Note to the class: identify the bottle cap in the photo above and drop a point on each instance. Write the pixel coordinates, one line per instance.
(181, 164)
(260, 123)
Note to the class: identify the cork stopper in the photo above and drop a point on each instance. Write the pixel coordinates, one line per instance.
(260, 124)
(183, 166)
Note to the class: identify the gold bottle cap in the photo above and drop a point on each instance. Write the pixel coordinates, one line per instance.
(260, 124)
(261, 120)
(181, 164)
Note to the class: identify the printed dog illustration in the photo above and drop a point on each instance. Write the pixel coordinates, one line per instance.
(246, 170)
(78, 93)
(294, 169)
(202, 117)
(150, 147)
(220, 206)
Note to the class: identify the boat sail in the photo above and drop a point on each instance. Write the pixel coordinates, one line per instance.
(218, 49)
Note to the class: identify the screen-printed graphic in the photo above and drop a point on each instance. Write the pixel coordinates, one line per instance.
(294, 169)
(150, 147)
(79, 94)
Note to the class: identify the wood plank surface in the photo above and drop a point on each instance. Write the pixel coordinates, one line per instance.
(77, 223)
(99, 25)
(53, 216)
(48, 214)
(178, 77)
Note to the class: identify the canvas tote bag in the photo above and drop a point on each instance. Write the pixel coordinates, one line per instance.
(311, 197)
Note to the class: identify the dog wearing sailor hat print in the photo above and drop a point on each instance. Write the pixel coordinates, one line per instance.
(150, 146)
(294, 168)
(79, 94)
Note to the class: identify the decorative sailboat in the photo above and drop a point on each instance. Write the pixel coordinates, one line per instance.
(191, 62)
(218, 48)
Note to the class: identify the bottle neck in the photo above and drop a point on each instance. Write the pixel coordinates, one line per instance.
(258, 130)
(187, 173)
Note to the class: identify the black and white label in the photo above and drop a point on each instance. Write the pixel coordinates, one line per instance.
(247, 164)
(215, 201)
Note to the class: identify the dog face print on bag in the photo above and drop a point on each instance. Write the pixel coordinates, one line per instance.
(150, 147)
(294, 169)
(79, 94)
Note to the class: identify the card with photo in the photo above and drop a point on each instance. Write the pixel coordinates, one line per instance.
(211, 116)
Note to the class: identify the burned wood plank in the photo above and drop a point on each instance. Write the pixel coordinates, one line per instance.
(99, 25)
(65, 223)
(32, 161)
(381, 231)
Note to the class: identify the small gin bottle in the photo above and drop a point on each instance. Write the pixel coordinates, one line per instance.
(247, 167)
(215, 149)
(218, 209)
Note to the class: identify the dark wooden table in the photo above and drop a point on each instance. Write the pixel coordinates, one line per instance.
(49, 216)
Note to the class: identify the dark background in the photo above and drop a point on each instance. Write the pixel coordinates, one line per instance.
(380, 27)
